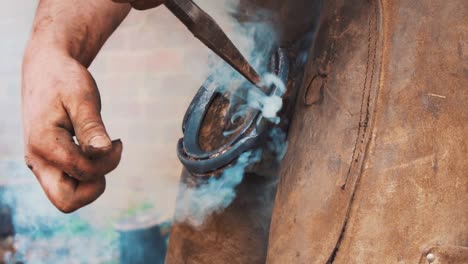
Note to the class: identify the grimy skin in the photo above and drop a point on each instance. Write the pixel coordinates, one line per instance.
(60, 99)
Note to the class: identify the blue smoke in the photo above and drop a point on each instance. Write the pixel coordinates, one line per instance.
(195, 204)
(256, 41)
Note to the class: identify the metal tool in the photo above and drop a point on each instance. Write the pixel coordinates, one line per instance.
(208, 31)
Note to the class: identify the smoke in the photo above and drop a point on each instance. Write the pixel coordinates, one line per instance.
(268, 105)
(195, 204)
(256, 41)
(44, 235)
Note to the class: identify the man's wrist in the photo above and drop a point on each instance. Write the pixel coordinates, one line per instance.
(76, 28)
(75, 43)
(39, 47)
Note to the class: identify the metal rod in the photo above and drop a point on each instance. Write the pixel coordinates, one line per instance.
(210, 33)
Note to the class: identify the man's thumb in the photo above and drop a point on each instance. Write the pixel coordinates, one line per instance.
(91, 132)
(83, 105)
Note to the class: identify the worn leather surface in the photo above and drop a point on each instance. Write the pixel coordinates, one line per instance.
(377, 167)
(239, 234)
(327, 137)
(6, 249)
(445, 255)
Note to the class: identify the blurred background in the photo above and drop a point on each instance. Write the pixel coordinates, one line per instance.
(147, 73)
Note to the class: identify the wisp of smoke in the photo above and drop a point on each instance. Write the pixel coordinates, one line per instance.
(256, 41)
(269, 105)
(44, 235)
(195, 204)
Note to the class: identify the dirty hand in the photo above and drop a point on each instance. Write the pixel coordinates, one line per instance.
(141, 4)
(60, 101)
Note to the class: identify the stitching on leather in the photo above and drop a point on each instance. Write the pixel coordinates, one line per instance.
(364, 113)
(360, 139)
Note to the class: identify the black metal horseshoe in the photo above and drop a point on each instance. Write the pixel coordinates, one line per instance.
(198, 161)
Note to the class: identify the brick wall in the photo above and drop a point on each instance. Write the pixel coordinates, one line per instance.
(147, 74)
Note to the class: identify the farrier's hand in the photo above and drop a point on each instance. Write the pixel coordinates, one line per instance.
(61, 100)
(141, 4)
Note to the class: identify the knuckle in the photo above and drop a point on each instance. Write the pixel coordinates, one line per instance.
(90, 125)
(70, 163)
(28, 159)
(66, 207)
(64, 204)
(80, 174)
(77, 173)
(101, 187)
(68, 157)
(33, 146)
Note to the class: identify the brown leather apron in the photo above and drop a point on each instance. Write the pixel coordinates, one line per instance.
(376, 170)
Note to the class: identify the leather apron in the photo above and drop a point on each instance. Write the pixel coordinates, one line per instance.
(377, 168)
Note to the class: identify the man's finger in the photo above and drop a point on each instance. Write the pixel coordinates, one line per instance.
(58, 148)
(146, 4)
(89, 129)
(66, 193)
(84, 110)
(141, 4)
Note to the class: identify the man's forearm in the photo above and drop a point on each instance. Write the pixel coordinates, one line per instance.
(76, 27)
